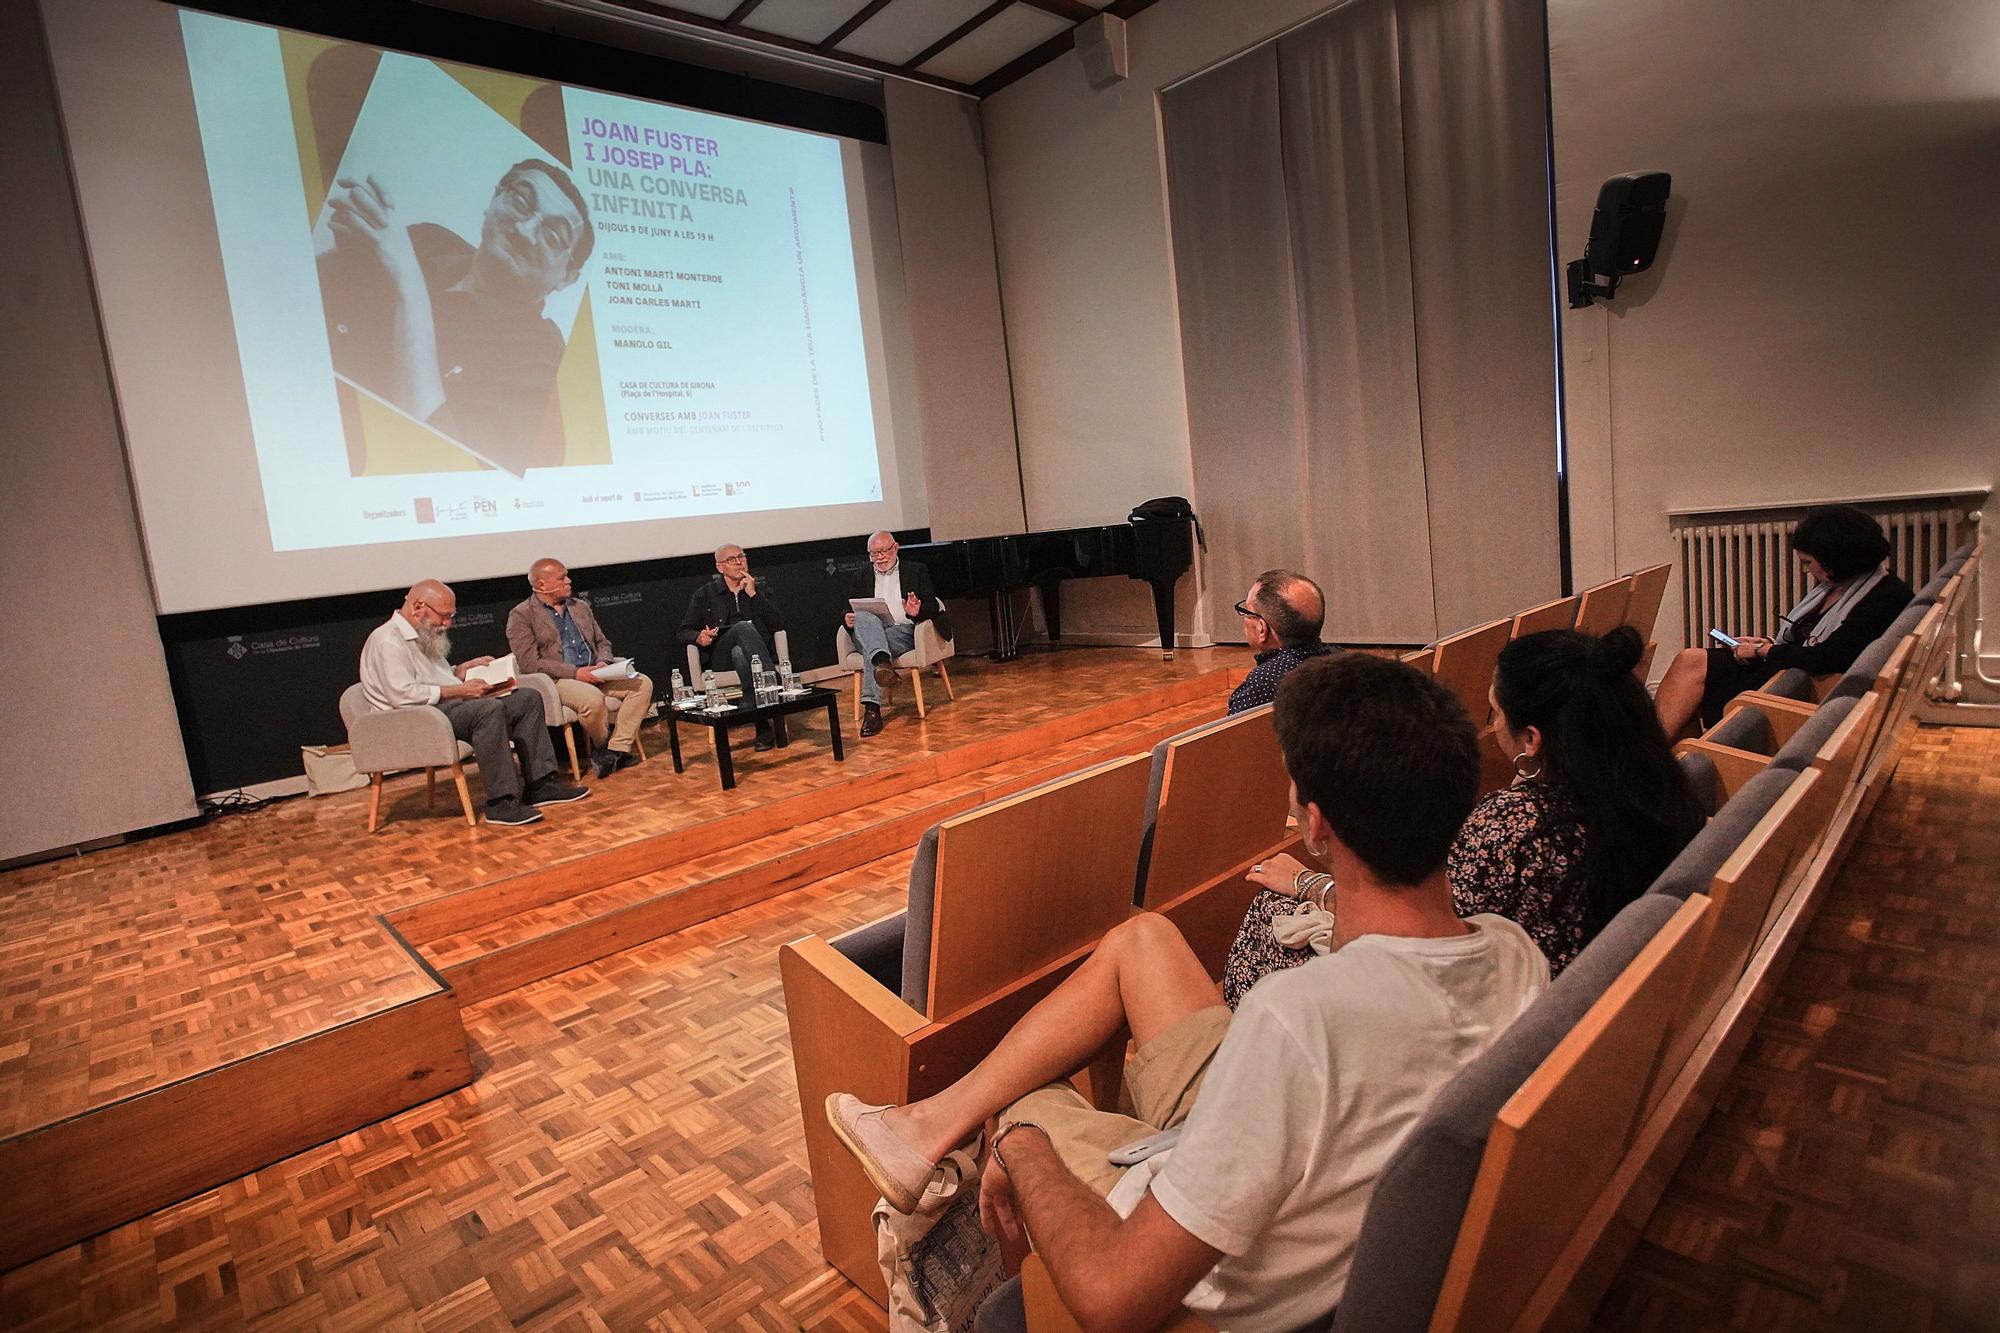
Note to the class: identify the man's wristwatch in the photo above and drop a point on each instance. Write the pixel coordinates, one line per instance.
(1001, 1138)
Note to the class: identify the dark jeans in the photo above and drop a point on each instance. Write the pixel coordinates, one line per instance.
(488, 724)
(735, 646)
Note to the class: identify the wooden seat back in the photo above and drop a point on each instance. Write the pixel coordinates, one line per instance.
(1642, 608)
(1743, 892)
(1222, 799)
(1602, 609)
(1022, 881)
(1464, 664)
(1559, 614)
(1556, 1142)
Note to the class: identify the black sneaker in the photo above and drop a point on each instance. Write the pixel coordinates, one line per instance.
(604, 763)
(552, 790)
(509, 810)
(626, 759)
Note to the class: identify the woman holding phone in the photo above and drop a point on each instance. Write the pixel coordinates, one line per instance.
(1854, 598)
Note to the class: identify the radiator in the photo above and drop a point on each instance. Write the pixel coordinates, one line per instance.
(1738, 572)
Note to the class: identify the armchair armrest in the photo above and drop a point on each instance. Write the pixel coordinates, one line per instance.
(552, 704)
(932, 647)
(400, 738)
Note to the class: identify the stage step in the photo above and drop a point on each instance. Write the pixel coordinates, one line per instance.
(134, 1155)
(514, 934)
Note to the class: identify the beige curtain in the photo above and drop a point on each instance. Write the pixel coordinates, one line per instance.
(1368, 339)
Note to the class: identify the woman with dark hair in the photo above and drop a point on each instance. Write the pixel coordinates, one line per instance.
(1597, 809)
(1852, 601)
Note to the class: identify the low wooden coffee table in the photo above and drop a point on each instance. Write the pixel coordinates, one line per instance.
(746, 714)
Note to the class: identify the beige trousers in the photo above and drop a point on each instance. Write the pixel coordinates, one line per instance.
(635, 696)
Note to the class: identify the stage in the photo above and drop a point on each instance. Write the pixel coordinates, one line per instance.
(574, 1028)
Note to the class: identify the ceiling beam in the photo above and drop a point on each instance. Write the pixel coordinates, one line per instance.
(1073, 10)
(861, 16)
(971, 25)
(815, 53)
(742, 11)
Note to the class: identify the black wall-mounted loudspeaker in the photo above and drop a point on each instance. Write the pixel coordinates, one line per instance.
(1624, 234)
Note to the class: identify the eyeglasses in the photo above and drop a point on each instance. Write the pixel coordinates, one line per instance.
(554, 235)
(446, 616)
(883, 554)
(738, 559)
(1248, 614)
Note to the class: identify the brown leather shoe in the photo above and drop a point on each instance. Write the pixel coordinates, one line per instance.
(871, 719)
(885, 675)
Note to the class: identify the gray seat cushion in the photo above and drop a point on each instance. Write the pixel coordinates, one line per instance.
(1791, 683)
(1411, 1226)
(1707, 783)
(1745, 729)
(877, 949)
(1797, 753)
(1002, 1312)
(1692, 871)
(1904, 623)
(916, 988)
(1874, 657)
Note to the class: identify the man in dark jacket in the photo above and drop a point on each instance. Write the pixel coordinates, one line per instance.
(731, 620)
(907, 591)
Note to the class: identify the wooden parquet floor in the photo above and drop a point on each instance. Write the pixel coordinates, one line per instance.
(129, 968)
(630, 1156)
(1849, 1175)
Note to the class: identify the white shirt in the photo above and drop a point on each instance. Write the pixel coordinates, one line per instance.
(395, 672)
(889, 587)
(1324, 1069)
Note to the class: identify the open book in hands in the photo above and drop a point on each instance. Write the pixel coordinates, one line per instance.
(497, 676)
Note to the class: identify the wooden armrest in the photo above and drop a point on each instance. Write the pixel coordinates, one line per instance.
(848, 1035)
(1047, 1314)
(1785, 715)
(1735, 767)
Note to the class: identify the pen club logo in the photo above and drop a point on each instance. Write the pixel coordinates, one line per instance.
(236, 650)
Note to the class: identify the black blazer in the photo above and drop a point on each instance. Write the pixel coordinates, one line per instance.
(713, 604)
(1865, 623)
(916, 579)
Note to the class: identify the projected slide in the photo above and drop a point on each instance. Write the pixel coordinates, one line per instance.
(467, 301)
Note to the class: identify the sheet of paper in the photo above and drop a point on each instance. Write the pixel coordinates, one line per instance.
(618, 668)
(874, 606)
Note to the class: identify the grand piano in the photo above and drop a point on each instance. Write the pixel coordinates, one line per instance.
(1155, 551)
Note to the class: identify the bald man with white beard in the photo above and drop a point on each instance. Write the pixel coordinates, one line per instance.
(406, 664)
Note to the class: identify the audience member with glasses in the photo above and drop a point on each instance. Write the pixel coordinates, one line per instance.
(1282, 614)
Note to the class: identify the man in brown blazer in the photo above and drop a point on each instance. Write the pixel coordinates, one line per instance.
(556, 634)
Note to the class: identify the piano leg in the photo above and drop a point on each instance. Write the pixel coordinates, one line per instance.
(1163, 611)
(1052, 610)
(1000, 610)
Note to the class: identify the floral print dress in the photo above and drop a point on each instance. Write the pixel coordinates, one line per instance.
(1520, 855)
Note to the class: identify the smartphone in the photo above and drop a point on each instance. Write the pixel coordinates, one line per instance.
(1725, 640)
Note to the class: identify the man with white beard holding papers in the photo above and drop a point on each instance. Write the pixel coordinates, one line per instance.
(406, 664)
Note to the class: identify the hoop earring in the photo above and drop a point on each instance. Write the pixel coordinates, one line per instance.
(1520, 771)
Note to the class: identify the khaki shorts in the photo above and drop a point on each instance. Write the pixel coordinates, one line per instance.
(1163, 1079)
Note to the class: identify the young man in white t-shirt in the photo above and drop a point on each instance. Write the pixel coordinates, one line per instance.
(1289, 1109)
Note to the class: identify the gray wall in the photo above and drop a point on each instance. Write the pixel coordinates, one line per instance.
(91, 746)
(1821, 320)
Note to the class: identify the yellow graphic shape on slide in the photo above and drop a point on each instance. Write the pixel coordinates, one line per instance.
(397, 445)
(579, 392)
